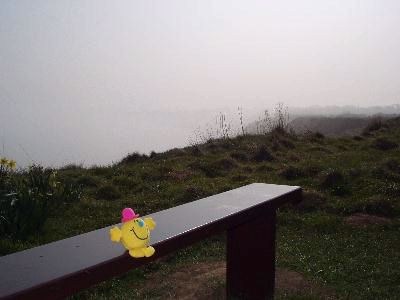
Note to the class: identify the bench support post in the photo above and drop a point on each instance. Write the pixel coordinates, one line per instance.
(251, 259)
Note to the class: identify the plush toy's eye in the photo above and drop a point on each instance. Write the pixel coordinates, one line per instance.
(141, 223)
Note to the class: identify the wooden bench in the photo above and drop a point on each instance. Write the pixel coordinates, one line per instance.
(248, 214)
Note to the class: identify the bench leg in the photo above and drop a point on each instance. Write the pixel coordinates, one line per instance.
(251, 259)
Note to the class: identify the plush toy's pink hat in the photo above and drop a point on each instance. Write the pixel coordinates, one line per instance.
(128, 214)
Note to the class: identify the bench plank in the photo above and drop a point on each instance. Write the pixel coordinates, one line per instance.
(61, 268)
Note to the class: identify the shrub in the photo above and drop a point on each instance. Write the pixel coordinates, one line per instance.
(277, 123)
(318, 135)
(156, 173)
(287, 143)
(196, 151)
(291, 173)
(226, 164)
(374, 205)
(214, 168)
(393, 165)
(102, 171)
(87, 181)
(378, 205)
(323, 149)
(179, 175)
(312, 169)
(384, 144)
(294, 157)
(262, 154)
(247, 169)
(280, 122)
(373, 125)
(391, 189)
(379, 172)
(30, 197)
(239, 155)
(134, 158)
(153, 154)
(264, 168)
(71, 167)
(276, 146)
(315, 137)
(226, 144)
(240, 178)
(123, 181)
(334, 181)
(192, 193)
(175, 152)
(312, 201)
(108, 192)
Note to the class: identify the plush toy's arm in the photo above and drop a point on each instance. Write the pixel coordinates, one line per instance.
(150, 223)
(115, 234)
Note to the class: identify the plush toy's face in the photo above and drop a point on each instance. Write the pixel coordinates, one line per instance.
(135, 234)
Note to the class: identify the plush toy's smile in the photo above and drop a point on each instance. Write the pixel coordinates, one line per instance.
(143, 239)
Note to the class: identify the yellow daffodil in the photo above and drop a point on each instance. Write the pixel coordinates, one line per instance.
(3, 161)
(12, 164)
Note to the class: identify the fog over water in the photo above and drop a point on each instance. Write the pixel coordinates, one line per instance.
(89, 81)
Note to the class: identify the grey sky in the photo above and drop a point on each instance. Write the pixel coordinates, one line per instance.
(62, 62)
(191, 54)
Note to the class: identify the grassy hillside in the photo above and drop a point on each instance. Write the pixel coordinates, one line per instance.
(344, 236)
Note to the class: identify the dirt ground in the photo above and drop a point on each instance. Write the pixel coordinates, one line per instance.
(207, 281)
(360, 220)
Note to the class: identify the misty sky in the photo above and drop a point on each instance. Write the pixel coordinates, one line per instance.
(83, 70)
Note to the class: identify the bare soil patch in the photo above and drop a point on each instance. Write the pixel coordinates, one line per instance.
(206, 280)
(360, 220)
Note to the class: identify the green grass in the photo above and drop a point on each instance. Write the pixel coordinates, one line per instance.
(341, 176)
(358, 264)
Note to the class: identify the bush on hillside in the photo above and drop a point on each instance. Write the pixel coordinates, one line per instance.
(375, 205)
(102, 171)
(262, 154)
(175, 152)
(123, 181)
(72, 167)
(378, 205)
(373, 125)
(393, 165)
(384, 144)
(239, 178)
(314, 137)
(196, 151)
(391, 189)
(192, 193)
(87, 181)
(214, 168)
(311, 201)
(108, 192)
(29, 197)
(291, 172)
(286, 143)
(312, 169)
(225, 164)
(134, 158)
(334, 181)
(239, 156)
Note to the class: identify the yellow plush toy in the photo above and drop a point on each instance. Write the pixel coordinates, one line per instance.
(134, 234)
